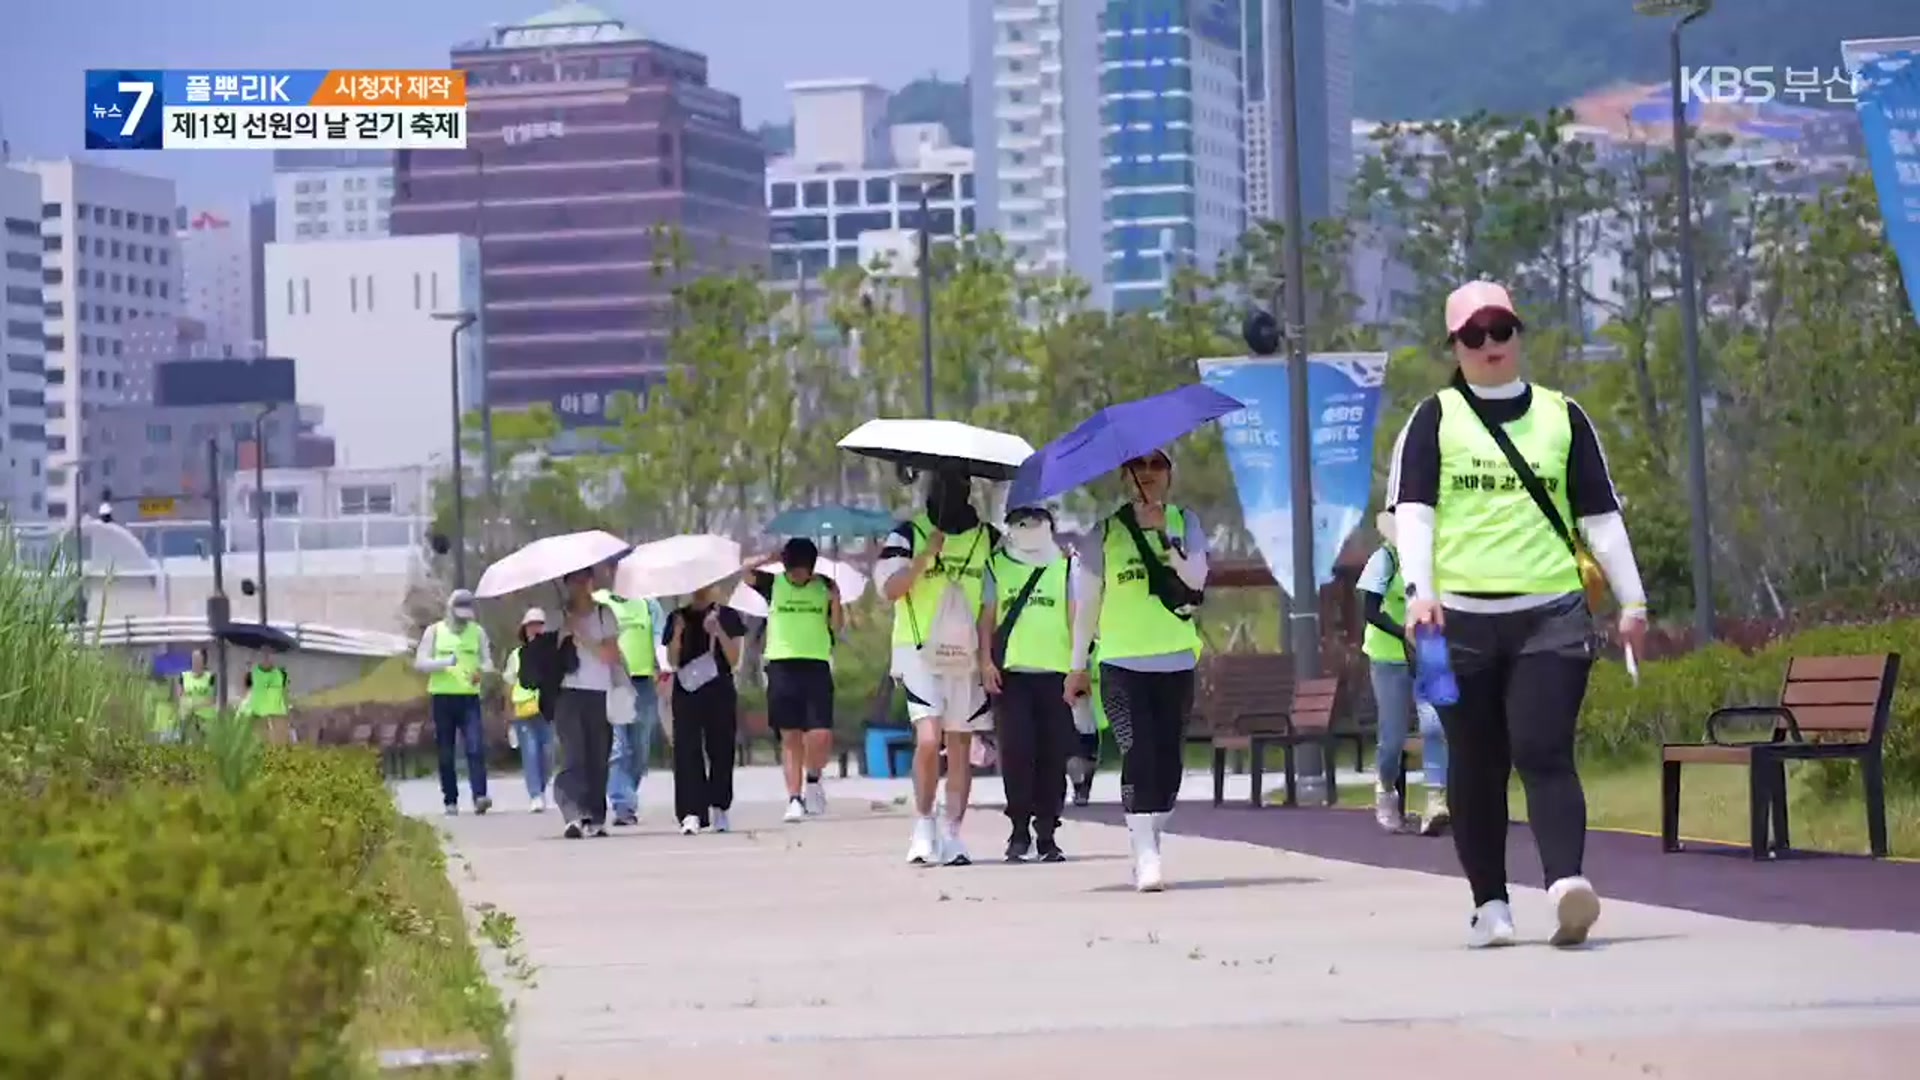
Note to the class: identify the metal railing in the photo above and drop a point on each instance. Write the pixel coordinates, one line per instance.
(151, 630)
(191, 539)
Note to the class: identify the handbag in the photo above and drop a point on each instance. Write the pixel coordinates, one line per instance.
(1593, 578)
(698, 672)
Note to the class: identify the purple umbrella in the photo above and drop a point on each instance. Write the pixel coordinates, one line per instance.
(1114, 436)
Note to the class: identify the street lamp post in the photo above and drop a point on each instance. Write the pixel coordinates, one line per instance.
(1702, 526)
(928, 184)
(260, 505)
(460, 321)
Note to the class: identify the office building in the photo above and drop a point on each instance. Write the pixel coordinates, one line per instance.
(358, 319)
(331, 194)
(23, 376)
(110, 259)
(220, 277)
(586, 143)
(1325, 78)
(1172, 119)
(1037, 132)
(851, 173)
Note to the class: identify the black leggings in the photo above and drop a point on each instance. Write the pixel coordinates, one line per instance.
(1034, 730)
(1147, 711)
(1522, 677)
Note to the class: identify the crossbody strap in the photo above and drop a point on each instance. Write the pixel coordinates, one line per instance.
(913, 617)
(1004, 632)
(1528, 478)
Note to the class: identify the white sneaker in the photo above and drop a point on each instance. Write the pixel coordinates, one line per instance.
(796, 810)
(924, 848)
(814, 798)
(1576, 907)
(953, 850)
(1438, 816)
(1144, 837)
(689, 825)
(1492, 926)
(538, 805)
(719, 819)
(1386, 808)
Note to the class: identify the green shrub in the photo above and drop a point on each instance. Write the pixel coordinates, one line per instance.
(170, 929)
(1671, 703)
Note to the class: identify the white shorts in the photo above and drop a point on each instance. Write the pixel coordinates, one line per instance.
(959, 702)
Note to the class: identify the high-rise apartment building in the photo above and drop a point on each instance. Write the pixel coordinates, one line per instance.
(220, 278)
(110, 260)
(851, 174)
(1172, 119)
(1324, 75)
(1037, 132)
(331, 194)
(23, 354)
(587, 143)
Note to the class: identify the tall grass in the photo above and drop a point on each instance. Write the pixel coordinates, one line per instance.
(59, 699)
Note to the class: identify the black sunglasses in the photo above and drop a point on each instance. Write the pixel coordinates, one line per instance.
(1474, 335)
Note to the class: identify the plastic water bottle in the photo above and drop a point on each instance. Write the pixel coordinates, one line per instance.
(1433, 678)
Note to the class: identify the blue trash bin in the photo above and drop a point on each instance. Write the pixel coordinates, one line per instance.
(879, 762)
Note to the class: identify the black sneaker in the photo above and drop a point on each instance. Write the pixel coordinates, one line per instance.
(626, 818)
(1049, 848)
(596, 828)
(482, 804)
(1019, 844)
(575, 830)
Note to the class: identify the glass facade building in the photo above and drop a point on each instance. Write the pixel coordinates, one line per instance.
(587, 144)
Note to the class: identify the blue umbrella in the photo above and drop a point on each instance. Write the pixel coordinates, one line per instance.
(831, 520)
(1114, 436)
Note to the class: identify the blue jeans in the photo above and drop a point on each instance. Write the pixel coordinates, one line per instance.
(1393, 692)
(457, 716)
(536, 753)
(632, 744)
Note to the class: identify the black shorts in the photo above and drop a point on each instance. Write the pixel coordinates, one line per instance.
(799, 695)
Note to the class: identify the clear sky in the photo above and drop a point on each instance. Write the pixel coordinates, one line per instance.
(754, 48)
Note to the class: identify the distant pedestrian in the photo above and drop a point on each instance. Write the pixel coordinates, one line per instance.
(588, 656)
(803, 619)
(455, 656)
(704, 640)
(267, 699)
(633, 731)
(531, 729)
(197, 693)
(1383, 601)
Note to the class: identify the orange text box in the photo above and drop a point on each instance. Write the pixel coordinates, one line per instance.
(419, 87)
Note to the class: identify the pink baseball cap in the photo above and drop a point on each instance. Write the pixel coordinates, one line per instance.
(1473, 298)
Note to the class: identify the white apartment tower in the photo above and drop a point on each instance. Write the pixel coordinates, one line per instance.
(23, 379)
(1037, 139)
(110, 260)
(1325, 78)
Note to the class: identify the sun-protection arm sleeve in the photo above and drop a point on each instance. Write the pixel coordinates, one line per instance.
(486, 650)
(1606, 536)
(1413, 522)
(423, 659)
(1190, 559)
(1089, 568)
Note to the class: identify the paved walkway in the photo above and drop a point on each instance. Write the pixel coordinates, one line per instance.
(813, 950)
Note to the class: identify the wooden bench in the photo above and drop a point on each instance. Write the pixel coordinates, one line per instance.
(1308, 720)
(1843, 702)
(1237, 696)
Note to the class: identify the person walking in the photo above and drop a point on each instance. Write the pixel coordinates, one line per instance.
(584, 653)
(633, 733)
(266, 700)
(933, 569)
(1026, 647)
(1487, 477)
(531, 730)
(454, 655)
(704, 640)
(197, 695)
(803, 619)
(1383, 601)
(1140, 581)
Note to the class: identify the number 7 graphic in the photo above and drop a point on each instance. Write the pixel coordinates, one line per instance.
(142, 96)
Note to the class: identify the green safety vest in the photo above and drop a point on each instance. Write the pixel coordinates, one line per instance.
(962, 559)
(1042, 637)
(1379, 645)
(799, 626)
(196, 693)
(526, 703)
(636, 631)
(267, 693)
(463, 646)
(1488, 535)
(1133, 621)
(161, 712)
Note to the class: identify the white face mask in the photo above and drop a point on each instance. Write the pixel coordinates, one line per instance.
(1032, 541)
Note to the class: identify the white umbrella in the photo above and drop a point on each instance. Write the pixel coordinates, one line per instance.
(851, 583)
(676, 566)
(549, 559)
(940, 444)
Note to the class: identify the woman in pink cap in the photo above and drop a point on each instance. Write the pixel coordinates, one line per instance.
(1490, 480)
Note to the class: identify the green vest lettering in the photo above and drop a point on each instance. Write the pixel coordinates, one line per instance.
(636, 632)
(962, 560)
(798, 623)
(1042, 637)
(1133, 621)
(1488, 535)
(463, 646)
(1379, 645)
(267, 691)
(196, 694)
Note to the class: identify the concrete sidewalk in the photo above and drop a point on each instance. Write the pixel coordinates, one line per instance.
(813, 950)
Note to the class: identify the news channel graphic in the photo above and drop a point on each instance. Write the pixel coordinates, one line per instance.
(1765, 84)
(360, 109)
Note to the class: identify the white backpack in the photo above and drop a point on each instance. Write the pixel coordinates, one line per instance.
(952, 641)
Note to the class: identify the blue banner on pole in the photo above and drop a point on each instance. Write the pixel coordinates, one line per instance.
(1889, 105)
(1343, 398)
